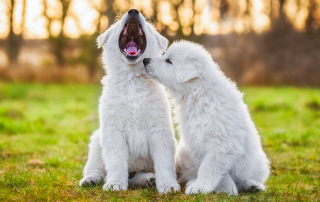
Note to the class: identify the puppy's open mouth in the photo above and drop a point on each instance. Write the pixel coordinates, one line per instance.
(132, 40)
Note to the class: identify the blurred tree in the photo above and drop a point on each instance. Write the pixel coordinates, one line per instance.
(110, 12)
(310, 19)
(177, 9)
(14, 40)
(224, 8)
(281, 24)
(155, 8)
(176, 5)
(282, 14)
(58, 43)
(89, 53)
(105, 9)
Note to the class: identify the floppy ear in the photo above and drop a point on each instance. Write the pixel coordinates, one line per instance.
(189, 70)
(162, 41)
(102, 39)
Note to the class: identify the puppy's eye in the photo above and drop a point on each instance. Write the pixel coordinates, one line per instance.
(168, 61)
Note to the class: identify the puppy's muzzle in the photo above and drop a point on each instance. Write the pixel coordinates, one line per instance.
(133, 14)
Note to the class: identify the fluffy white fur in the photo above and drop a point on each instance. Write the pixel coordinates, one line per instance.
(136, 132)
(219, 149)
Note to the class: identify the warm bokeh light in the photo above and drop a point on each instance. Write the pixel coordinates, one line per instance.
(297, 14)
(83, 16)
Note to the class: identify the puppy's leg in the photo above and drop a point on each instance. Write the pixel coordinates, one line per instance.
(143, 180)
(210, 172)
(162, 149)
(227, 185)
(251, 170)
(249, 186)
(94, 171)
(185, 167)
(190, 182)
(115, 155)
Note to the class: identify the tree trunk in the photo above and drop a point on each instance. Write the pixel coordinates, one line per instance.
(110, 13)
(282, 16)
(61, 43)
(310, 18)
(179, 31)
(14, 41)
(58, 43)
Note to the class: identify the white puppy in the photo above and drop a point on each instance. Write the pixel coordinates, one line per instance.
(136, 132)
(219, 149)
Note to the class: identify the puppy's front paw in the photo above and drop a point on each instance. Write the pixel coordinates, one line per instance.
(143, 180)
(150, 179)
(92, 179)
(253, 186)
(167, 187)
(115, 186)
(190, 182)
(195, 188)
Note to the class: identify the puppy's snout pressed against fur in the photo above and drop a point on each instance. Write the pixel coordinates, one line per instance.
(146, 61)
(148, 67)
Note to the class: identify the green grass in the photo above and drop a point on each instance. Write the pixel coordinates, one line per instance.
(45, 129)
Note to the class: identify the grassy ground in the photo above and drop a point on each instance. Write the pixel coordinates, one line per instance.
(45, 129)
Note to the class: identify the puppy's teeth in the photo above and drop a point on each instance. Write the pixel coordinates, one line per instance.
(123, 40)
(140, 41)
(140, 32)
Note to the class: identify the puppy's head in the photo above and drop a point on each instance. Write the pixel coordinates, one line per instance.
(132, 38)
(179, 66)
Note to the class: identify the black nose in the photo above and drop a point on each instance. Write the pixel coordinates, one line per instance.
(146, 61)
(133, 12)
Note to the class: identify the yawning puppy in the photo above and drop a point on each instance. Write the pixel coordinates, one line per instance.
(136, 132)
(219, 149)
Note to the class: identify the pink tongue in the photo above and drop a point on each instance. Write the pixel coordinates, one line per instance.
(131, 48)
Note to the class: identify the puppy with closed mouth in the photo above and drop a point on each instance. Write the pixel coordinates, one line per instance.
(220, 149)
(136, 132)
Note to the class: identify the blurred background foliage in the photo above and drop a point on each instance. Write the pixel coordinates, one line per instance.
(256, 42)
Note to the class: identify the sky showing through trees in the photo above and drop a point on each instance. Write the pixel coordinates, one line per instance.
(44, 18)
